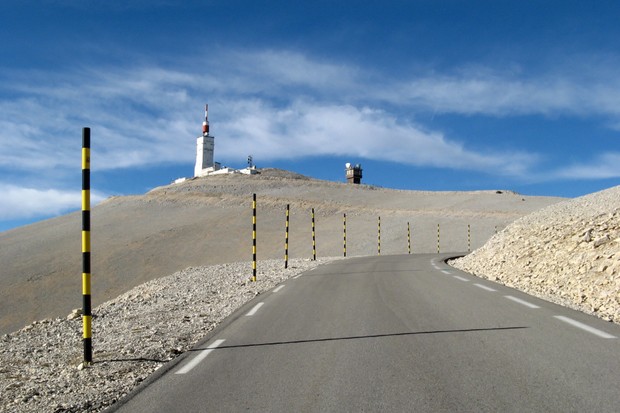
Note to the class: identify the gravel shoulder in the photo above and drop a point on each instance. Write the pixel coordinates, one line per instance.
(133, 335)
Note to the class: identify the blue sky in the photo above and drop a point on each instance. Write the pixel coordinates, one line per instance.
(427, 94)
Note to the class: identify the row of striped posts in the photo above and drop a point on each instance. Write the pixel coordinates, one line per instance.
(344, 236)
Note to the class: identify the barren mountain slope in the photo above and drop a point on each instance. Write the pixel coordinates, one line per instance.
(209, 221)
(568, 253)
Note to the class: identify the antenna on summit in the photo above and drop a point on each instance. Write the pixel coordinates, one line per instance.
(205, 124)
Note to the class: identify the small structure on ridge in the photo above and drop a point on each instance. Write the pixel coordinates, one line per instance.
(353, 173)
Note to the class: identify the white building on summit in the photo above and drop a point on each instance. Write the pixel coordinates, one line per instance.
(205, 147)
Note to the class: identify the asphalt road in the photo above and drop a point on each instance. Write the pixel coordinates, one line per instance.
(395, 333)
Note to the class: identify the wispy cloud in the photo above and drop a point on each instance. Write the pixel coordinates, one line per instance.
(510, 93)
(603, 167)
(307, 128)
(21, 202)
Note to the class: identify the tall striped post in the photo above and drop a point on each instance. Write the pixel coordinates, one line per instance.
(344, 239)
(438, 239)
(313, 238)
(86, 301)
(408, 238)
(379, 236)
(254, 237)
(286, 237)
(468, 238)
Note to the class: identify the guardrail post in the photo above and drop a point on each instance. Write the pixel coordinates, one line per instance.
(344, 239)
(254, 237)
(86, 298)
(408, 238)
(379, 236)
(313, 238)
(286, 237)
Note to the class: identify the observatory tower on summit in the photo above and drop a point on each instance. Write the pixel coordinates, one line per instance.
(205, 165)
(205, 146)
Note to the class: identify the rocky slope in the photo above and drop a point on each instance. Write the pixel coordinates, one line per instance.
(567, 253)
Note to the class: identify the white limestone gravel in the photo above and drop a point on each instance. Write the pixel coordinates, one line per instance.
(567, 253)
(133, 335)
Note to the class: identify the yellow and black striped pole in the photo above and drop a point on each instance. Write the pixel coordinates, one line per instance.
(468, 238)
(286, 237)
(86, 301)
(379, 236)
(408, 238)
(313, 237)
(344, 235)
(438, 239)
(254, 237)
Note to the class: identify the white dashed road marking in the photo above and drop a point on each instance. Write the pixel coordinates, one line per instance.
(446, 272)
(484, 287)
(460, 278)
(255, 309)
(520, 301)
(584, 327)
(279, 288)
(203, 353)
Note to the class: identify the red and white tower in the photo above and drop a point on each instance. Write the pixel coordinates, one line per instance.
(205, 146)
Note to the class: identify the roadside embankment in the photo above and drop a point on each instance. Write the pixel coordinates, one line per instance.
(568, 253)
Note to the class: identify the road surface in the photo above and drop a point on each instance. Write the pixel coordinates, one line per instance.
(395, 333)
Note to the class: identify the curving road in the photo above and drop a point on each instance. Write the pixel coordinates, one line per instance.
(394, 333)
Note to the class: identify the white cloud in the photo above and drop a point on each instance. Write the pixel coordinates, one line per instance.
(279, 69)
(604, 166)
(137, 117)
(23, 202)
(306, 128)
(496, 93)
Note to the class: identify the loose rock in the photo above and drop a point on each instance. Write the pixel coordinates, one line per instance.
(538, 254)
(41, 367)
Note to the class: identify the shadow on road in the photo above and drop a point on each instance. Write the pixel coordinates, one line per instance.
(319, 340)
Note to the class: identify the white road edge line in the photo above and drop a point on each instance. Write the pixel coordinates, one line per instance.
(520, 301)
(255, 309)
(203, 353)
(297, 276)
(460, 278)
(484, 287)
(278, 288)
(585, 327)
(446, 272)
